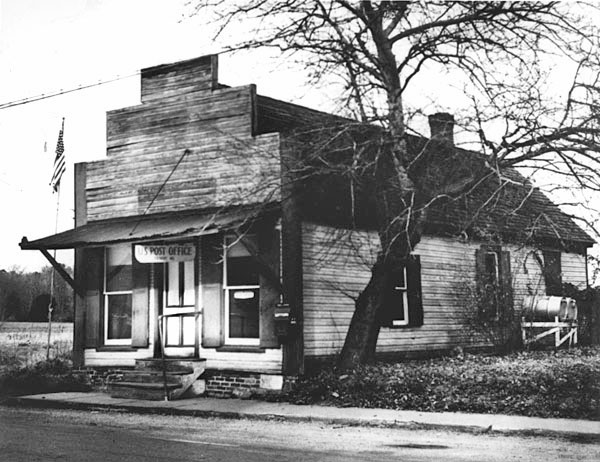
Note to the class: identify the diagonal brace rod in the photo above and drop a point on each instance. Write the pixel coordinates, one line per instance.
(60, 270)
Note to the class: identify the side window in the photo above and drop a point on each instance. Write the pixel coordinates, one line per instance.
(494, 282)
(492, 267)
(491, 279)
(552, 272)
(404, 307)
(241, 287)
(117, 295)
(400, 299)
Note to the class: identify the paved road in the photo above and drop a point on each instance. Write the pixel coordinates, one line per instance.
(50, 435)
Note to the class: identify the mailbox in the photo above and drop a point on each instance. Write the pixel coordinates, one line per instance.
(282, 319)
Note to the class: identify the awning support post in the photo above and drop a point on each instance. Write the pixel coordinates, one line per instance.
(66, 276)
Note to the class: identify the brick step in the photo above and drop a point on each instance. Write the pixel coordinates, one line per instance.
(149, 391)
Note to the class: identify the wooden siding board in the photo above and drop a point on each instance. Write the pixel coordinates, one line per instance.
(573, 269)
(177, 79)
(267, 361)
(126, 122)
(95, 358)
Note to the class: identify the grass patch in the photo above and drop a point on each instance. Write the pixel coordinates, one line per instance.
(565, 384)
(44, 377)
(23, 344)
(24, 369)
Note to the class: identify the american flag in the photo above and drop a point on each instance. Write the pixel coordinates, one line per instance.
(59, 160)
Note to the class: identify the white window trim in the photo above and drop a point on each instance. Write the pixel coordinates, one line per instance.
(226, 290)
(118, 341)
(404, 289)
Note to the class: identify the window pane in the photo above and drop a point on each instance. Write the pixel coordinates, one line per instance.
(173, 284)
(118, 268)
(173, 330)
(243, 313)
(400, 278)
(491, 266)
(242, 271)
(189, 330)
(189, 294)
(119, 317)
(397, 300)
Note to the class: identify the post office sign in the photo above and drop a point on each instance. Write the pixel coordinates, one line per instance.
(159, 253)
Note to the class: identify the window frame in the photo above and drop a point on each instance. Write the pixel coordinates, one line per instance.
(244, 341)
(412, 297)
(496, 274)
(106, 297)
(553, 281)
(492, 293)
(396, 322)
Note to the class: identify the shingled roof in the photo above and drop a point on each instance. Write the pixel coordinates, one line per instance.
(506, 207)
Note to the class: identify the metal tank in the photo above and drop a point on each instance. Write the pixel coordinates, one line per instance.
(547, 307)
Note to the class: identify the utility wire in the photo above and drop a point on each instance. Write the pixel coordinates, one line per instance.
(33, 99)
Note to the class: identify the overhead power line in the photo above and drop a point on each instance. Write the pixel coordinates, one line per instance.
(33, 99)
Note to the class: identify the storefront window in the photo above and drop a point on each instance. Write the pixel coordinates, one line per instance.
(241, 285)
(117, 295)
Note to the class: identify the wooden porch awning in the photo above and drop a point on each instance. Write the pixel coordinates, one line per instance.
(151, 228)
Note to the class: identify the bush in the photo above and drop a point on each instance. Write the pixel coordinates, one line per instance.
(544, 384)
(588, 302)
(44, 377)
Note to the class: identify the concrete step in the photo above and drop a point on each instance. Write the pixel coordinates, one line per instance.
(149, 391)
(153, 376)
(170, 364)
(146, 381)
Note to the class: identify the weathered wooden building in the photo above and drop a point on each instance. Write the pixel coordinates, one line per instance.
(194, 222)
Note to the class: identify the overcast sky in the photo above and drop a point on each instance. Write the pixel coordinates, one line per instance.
(46, 46)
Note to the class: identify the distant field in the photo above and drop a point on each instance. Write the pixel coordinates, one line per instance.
(24, 343)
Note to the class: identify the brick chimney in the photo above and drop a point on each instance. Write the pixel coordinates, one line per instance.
(441, 127)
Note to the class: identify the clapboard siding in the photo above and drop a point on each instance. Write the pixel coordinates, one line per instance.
(152, 118)
(267, 361)
(224, 165)
(336, 268)
(573, 267)
(95, 358)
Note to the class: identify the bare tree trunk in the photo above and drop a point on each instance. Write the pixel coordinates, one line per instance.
(361, 339)
(397, 219)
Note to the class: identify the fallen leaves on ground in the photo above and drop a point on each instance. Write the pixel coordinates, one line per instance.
(563, 383)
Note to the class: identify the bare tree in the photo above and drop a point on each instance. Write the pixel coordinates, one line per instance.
(502, 49)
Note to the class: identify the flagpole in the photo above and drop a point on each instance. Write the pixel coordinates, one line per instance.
(59, 167)
(52, 277)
